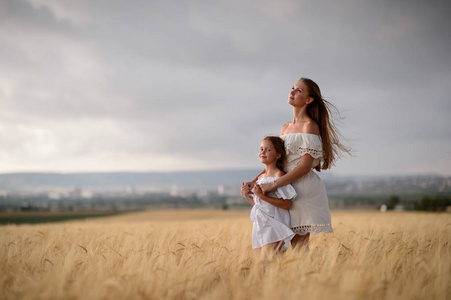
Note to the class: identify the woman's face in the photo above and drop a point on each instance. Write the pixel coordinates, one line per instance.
(299, 95)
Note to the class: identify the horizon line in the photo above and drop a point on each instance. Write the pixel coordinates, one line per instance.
(219, 170)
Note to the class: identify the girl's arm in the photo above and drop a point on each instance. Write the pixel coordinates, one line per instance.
(277, 202)
(300, 170)
(249, 199)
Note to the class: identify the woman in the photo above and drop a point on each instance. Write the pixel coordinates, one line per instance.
(311, 142)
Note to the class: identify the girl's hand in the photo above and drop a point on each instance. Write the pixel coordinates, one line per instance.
(258, 191)
(267, 187)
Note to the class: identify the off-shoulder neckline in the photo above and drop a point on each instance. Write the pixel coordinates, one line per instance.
(301, 133)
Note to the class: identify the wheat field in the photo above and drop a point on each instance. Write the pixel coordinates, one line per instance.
(207, 254)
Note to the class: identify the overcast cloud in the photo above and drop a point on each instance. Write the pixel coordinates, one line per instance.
(190, 85)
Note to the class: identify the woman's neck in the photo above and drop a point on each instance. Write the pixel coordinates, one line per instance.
(300, 114)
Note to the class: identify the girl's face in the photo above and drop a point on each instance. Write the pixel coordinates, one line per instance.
(268, 153)
(299, 95)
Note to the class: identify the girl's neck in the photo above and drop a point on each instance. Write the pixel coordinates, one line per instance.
(271, 170)
(300, 114)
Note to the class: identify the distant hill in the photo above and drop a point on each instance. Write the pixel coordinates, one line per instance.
(194, 179)
(385, 185)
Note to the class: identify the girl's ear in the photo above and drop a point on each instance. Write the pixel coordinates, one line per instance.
(279, 155)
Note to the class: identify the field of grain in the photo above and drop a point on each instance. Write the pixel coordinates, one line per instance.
(206, 254)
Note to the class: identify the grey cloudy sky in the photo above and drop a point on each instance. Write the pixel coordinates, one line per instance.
(190, 85)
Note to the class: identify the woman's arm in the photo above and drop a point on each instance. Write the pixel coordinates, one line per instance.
(300, 170)
(277, 202)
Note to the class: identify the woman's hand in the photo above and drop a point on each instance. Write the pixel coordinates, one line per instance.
(267, 187)
(258, 191)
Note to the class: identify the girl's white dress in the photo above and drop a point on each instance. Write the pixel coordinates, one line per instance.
(271, 224)
(310, 212)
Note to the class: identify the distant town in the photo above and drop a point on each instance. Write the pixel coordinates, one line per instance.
(52, 192)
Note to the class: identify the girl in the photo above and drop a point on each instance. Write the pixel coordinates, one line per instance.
(271, 229)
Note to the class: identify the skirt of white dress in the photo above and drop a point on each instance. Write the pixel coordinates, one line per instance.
(310, 212)
(267, 229)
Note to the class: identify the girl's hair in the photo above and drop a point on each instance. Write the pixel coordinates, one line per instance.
(277, 142)
(320, 110)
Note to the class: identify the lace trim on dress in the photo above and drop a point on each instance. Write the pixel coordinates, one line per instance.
(313, 229)
(315, 153)
(303, 143)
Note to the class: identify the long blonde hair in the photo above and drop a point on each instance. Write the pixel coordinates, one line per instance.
(320, 110)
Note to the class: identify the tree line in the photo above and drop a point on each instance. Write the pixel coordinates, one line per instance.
(427, 203)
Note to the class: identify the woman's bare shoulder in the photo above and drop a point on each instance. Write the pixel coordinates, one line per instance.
(284, 128)
(311, 127)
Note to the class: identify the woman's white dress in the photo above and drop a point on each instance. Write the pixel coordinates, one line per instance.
(310, 212)
(271, 224)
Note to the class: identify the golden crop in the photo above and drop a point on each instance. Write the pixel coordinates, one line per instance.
(206, 254)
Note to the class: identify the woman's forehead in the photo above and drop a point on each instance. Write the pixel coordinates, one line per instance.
(300, 84)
